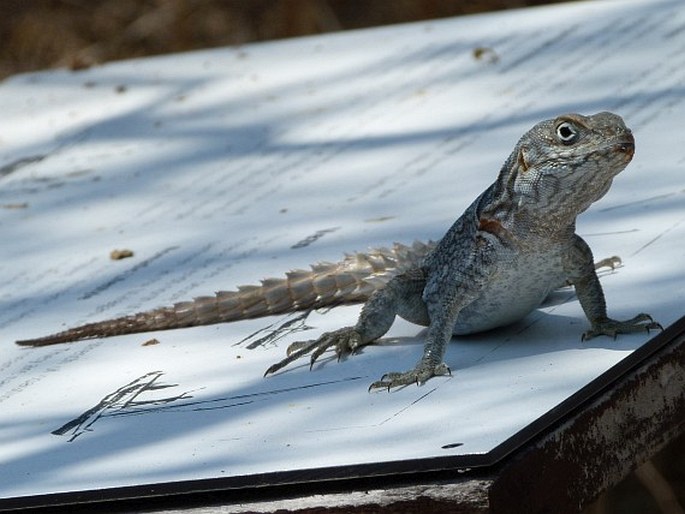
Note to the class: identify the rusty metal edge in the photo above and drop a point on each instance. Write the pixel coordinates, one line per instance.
(635, 409)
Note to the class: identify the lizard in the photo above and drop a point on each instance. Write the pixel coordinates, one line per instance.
(499, 260)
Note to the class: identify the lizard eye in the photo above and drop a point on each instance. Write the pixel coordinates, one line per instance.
(567, 133)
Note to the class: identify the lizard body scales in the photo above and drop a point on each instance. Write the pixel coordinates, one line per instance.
(512, 246)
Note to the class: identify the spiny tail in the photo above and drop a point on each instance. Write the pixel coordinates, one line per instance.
(350, 281)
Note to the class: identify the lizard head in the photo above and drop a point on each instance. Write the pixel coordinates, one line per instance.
(561, 166)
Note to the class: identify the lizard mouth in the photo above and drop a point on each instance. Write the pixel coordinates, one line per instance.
(627, 146)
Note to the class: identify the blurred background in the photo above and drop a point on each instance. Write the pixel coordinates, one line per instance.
(39, 34)
(77, 34)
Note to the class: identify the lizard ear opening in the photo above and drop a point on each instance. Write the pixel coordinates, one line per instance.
(521, 160)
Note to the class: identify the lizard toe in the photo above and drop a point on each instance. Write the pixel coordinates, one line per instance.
(344, 341)
(612, 328)
(419, 375)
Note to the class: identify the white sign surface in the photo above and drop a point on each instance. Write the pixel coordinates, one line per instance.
(221, 167)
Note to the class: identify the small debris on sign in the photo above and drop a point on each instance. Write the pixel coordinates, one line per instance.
(117, 255)
(80, 63)
(150, 342)
(485, 54)
(23, 205)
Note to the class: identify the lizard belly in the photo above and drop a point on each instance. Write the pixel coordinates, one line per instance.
(518, 290)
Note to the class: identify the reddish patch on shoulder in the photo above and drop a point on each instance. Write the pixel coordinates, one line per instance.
(488, 225)
(494, 227)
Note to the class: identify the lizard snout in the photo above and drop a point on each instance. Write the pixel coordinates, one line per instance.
(627, 145)
(627, 148)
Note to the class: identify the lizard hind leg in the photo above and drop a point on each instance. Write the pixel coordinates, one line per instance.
(401, 295)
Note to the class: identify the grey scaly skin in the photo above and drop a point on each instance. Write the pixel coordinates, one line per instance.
(507, 252)
(500, 259)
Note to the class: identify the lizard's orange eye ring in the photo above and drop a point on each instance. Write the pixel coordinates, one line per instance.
(567, 133)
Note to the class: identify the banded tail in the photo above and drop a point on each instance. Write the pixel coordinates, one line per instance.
(350, 281)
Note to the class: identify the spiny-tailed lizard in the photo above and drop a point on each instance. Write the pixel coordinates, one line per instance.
(512, 247)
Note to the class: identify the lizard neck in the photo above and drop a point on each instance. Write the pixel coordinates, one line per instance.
(501, 210)
(523, 227)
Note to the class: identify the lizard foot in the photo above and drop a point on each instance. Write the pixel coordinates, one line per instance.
(611, 327)
(344, 341)
(417, 376)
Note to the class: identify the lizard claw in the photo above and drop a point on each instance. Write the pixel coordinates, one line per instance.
(610, 327)
(344, 341)
(418, 376)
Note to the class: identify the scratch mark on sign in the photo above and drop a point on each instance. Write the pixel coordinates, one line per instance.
(121, 399)
(125, 401)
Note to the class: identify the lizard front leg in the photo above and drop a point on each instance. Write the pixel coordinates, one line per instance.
(581, 272)
(452, 286)
(402, 295)
(431, 363)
